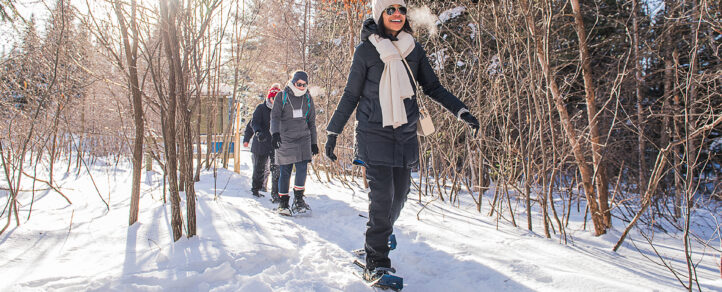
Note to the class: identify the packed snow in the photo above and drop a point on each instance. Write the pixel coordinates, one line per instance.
(242, 245)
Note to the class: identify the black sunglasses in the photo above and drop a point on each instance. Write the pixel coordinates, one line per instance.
(299, 84)
(391, 10)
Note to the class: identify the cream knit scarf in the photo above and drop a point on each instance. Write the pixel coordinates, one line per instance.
(394, 85)
(296, 91)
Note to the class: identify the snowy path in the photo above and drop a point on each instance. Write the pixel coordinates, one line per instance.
(242, 245)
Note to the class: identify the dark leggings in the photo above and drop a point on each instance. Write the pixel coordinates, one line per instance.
(259, 168)
(285, 180)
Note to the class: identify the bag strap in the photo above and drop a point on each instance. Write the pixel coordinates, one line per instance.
(419, 92)
(308, 102)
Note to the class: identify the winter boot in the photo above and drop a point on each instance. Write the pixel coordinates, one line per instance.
(299, 205)
(275, 198)
(255, 193)
(283, 205)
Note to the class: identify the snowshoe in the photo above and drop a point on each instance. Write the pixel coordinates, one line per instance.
(284, 211)
(380, 277)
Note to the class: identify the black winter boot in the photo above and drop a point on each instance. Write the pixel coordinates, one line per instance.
(283, 205)
(299, 205)
(255, 193)
(275, 198)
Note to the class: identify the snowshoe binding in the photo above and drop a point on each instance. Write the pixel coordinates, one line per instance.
(299, 204)
(380, 277)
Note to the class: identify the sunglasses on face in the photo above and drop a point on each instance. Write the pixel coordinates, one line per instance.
(299, 84)
(391, 10)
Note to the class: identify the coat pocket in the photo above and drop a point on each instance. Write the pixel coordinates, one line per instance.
(370, 110)
(376, 115)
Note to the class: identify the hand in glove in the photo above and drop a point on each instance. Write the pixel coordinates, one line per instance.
(330, 145)
(314, 149)
(261, 137)
(276, 140)
(471, 121)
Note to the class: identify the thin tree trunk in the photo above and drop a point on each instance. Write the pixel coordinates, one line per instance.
(131, 56)
(669, 91)
(592, 116)
(642, 167)
(199, 108)
(168, 18)
(585, 171)
(691, 153)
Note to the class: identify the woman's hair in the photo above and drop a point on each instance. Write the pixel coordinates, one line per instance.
(381, 28)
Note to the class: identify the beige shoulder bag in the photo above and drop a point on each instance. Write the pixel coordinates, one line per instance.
(425, 126)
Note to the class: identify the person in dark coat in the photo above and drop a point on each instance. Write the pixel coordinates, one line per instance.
(247, 137)
(261, 149)
(381, 90)
(293, 124)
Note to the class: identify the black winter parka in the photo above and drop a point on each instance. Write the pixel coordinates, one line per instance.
(375, 144)
(261, 122)
(248, 132)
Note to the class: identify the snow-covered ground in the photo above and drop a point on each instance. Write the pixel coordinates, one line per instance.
(242, 245)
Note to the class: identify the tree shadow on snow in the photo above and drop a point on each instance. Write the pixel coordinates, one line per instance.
(423, 267)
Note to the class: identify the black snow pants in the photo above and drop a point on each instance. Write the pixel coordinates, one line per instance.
(389, 190)
(266, 171)
(259, 169)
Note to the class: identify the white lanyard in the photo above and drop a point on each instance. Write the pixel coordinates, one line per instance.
(297, 113)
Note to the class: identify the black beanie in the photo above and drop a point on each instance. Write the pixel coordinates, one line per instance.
(299, 75)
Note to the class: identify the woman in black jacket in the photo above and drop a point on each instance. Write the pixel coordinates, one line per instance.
(381, 91)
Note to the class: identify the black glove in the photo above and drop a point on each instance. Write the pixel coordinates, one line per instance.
(330, 145)
(472, 121)
(261, 137)
(314, 149)
(276, 140)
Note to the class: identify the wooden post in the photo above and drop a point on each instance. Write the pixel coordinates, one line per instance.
(148, 162)
(237, 141)
(148, 158)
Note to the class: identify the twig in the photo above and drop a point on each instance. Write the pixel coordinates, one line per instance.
(50, 185)
(424, 207)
